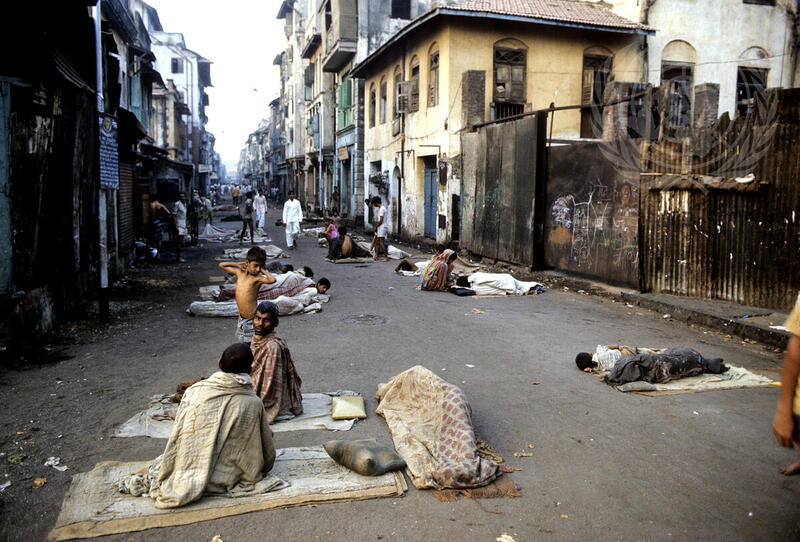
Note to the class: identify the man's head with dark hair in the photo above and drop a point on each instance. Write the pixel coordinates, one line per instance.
(291, 194)
(265, 319)
(584, 361)
(308, 272)
(288, 267)
(237, 358)
(323, 285)
(256, 254)
(376, 200)
(440, 248)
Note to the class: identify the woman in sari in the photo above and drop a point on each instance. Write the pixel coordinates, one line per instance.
(436, 275)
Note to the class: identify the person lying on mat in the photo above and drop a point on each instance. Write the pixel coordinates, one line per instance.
(407, 265)
(274, 377)
(221, 441)
(606, 356)
(343, 246)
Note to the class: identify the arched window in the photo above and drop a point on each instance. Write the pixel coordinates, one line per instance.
(372, 105)
(398, 77)
(510, 78)
(383, 99)
(433, 76)
(596, 74)
(751, 78)
(413, 105)
(677, 77)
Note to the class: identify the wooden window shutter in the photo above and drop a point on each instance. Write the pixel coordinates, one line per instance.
(402, 94)
(518, 83)
(414, 98)
(588, 85)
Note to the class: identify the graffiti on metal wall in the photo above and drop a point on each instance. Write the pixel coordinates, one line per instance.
(600, 220)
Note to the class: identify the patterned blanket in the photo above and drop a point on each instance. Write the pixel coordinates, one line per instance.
(431, 426)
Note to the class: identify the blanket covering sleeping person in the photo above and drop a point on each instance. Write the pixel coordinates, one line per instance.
(672, 364)
(431, 425)
(287, 285)
(220, 443)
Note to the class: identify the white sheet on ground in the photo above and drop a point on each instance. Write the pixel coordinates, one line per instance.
(499, 284)
(215, 233)
(305, 302)
(157, 420)
(93, 507)
(733, 378)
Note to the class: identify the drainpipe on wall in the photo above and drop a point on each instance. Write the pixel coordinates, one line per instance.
(402, 156)
(101, 196)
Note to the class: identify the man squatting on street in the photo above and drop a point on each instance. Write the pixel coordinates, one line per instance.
(786, 424)
(292, 217)
(250, 275)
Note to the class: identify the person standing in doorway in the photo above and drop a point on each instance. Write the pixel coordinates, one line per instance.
(260, 208)
(292, 217)
(246, 212)
(335, 201)
(381, 230)
(180, 225)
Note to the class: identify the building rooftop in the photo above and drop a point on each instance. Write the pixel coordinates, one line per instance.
(594, 16)
(570, 11)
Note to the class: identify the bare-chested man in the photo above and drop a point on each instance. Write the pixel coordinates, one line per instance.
(786, 424)
(250, 275)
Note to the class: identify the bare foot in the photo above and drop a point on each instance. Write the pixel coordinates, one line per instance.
(790, 470)
(181, 260)
(385, 259)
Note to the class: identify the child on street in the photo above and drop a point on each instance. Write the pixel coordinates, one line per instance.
(250, 275)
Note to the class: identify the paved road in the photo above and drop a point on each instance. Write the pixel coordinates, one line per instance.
(606, 465)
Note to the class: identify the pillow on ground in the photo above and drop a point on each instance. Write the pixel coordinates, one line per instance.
(366, 457)
(348, 407)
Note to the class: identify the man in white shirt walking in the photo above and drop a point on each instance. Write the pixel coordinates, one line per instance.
(260, 207)
(292, 216)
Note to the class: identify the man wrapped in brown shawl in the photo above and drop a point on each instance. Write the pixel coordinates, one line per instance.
(275, 380)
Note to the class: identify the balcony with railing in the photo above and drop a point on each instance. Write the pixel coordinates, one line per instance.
(340, 34)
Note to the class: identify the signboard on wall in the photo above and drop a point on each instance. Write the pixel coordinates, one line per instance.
(204, 168)
(109, 153)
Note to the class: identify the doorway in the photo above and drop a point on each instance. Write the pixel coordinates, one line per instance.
(431, 176)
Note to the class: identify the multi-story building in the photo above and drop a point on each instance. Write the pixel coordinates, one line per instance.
(460, 65)
(191, 75)
(739, 47)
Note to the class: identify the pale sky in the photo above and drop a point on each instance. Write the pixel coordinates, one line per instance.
(241, 38)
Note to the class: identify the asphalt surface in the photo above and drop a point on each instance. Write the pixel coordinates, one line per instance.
(605, 465)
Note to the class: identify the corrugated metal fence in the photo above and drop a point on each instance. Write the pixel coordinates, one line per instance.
(704, 234)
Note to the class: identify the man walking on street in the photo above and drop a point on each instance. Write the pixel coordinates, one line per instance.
(246, 212)
(381, 231)
(180, 225)
(260, 207)
(786, 424)
(292, 217)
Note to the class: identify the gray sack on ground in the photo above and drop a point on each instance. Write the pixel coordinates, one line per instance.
(366, 457)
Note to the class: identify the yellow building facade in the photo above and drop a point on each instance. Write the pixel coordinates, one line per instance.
(442, 75)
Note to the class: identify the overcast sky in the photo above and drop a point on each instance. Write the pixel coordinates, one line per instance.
(241, 38)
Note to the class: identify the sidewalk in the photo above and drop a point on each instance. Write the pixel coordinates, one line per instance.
(749, 323)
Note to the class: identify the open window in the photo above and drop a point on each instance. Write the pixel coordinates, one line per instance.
(177, 65)
(372, 105)
(413, 103)
(401, 9)
(433, 76)
(384, 91)
(398, 78)
(751, 79)
(677, 79)
(510, 78)
(596, 75)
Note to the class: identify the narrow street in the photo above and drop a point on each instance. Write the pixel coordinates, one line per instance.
(605, 465)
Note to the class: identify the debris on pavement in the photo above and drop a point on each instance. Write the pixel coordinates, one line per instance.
(471, 366)
(523, 454)
(5, 485)
(564, 516)
(16, 459)
(55, 462)
(39, 482)
(476, 311)
(505, 537)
